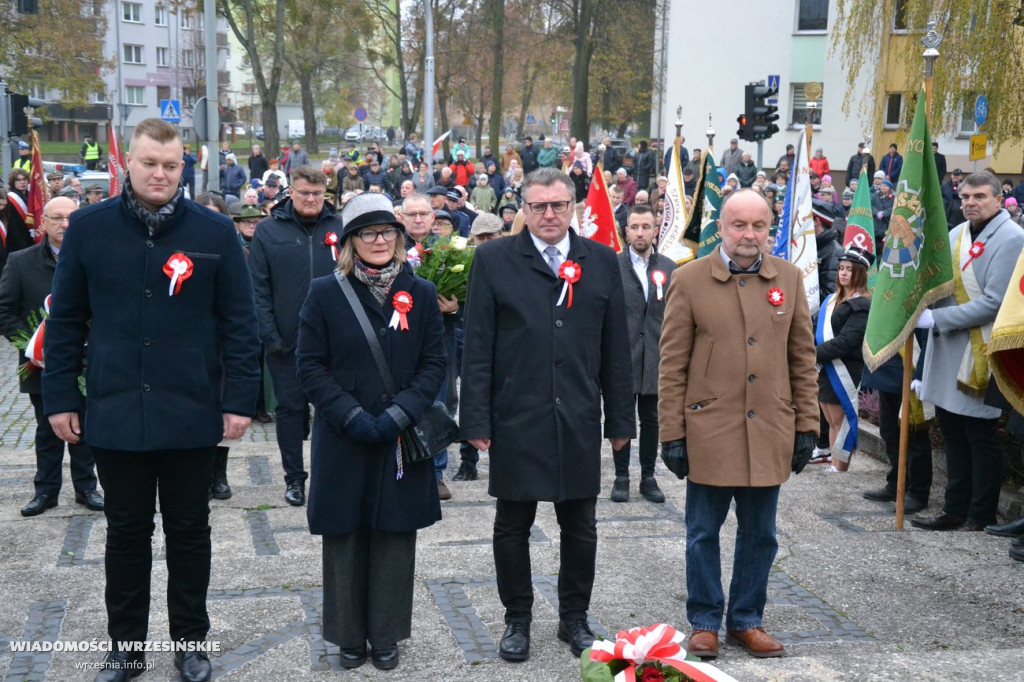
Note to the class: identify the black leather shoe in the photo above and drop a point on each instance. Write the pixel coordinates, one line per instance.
(353, 658)
(1017, 553)
(1013, 529)
(193, 666)
(219, 489)
(971, 527)
(1017, 542)
(941, 522)
(90, 498)
(295, 494)
(121, 666)
(650, 490)
(466, 472)
(515, 643)
(577, 633)
(912, 505)
(263, 417)
(39, 504)
(880, 495)
(620, 489)
(384, 657)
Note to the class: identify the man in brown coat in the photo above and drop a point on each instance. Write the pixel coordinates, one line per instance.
(737, 412)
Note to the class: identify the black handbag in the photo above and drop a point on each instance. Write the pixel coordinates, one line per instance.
(436, 429)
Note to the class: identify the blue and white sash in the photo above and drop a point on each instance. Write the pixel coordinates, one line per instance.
(842, 383)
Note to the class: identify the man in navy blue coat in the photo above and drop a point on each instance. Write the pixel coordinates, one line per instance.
(160, 287)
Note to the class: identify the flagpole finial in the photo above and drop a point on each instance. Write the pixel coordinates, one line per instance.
(710, 133)
(931, 41)
(679, 121)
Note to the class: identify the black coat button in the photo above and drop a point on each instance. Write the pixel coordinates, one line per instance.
(145, 387)
(743, 282)
(149, 243)
(558, 401)
(147, 341)
(750, 415)
(558, 323)
(750, 341)
(383, 397)
(752, 378)
(149, 293)
(383, 331)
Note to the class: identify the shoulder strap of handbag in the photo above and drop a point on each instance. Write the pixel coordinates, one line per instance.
(371, 337)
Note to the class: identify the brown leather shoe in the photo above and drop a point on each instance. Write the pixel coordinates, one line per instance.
(703, 643)
(757, 642)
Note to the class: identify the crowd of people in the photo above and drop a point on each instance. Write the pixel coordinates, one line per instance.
(232, 284)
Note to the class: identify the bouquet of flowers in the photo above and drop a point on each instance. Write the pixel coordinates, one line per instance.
(652, 654)
(31, 344)
(445, 263)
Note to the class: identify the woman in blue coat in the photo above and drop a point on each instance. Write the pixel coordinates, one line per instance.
(365, 501)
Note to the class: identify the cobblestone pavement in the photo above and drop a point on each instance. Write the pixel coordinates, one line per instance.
(851, 598)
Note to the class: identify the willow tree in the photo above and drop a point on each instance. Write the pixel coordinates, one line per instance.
(982, 52)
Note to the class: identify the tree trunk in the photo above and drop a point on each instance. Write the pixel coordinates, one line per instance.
(584, 48)
(442, 106)
(308, 112)
(497, 21)
(403, 81)
(418, 103)
(527, 97)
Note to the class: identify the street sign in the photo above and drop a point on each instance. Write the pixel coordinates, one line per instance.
(981, 111)
(773, 82)
(979, 147)
(199, 123)
(531, 119)
(170, 110)
(360, 114)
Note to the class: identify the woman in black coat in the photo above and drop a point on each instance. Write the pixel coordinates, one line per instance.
(840, 334)
(365, 501)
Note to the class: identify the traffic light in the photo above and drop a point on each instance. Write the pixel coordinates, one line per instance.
(19, 120)
(552, 118)
(760, 115)
(744, 130)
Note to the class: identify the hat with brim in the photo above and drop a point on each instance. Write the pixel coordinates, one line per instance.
(437, 191)
(442, 215)
(94, 189)
(823, 210)
(855, 254)
(366, 210)
(68, 191)
(247, 212)
(453, 195)
(486, 223)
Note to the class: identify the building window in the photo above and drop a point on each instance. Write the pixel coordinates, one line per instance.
(132, 12)
(163, 92)
(967, 125)
(163, 56)
(99, 97)
(161, 16)
(798, 112)
(188, 59)
(39, 92)
(812, 15)
(900, 22)
(188, 98)
(187, 21)
(894, 110)
(132, 54)
(135, 95)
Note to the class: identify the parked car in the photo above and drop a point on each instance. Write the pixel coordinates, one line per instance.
(237, 128)
(332, 131)
(259, 133)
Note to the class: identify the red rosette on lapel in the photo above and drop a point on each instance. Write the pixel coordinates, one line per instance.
(776, 297)
(179, 268)
(402, 303)
(570, 273)
(977, 248)
(331, 240)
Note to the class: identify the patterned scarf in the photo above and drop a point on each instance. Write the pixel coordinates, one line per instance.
(152, 221)
(379, 280)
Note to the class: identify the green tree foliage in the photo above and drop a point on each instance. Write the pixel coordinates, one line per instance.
(60, 48)
(982, 52)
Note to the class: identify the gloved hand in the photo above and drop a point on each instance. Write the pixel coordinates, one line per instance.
(363, 428)
(387, 427)
(916, 387)
(927, 320)
(673, 454)
(803, 448)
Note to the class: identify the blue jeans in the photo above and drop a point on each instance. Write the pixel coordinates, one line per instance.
(706, 509)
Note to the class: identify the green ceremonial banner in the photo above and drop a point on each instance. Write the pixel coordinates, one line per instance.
(708, 212)
(693, 221)
(915, 268)
(860, 219)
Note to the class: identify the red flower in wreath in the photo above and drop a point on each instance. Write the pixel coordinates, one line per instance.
(776, 297)
(652, 674)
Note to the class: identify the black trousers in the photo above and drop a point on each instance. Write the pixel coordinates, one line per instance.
(50, 456)
(578, 552)
(369, 577)
(131, 482)
(647, 410)
(292, 414)
(919, 449)
(974, 462)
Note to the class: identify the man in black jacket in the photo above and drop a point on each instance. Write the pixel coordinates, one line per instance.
(160, 288)
(529, 155)
(829, 248)
(24, 285)
(289, 249)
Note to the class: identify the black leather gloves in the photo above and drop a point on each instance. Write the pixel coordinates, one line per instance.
(673, 454)
(803, 448)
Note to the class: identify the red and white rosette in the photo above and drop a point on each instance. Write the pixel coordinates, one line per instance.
(34, 348)
(179, 268)
(776, 297)
(658, 643)
(331, 240)
(570, 273)
(977, 248)
(659, 279)
(402, 303)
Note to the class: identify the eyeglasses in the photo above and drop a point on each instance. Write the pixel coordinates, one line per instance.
(57, 218)
(369, 235)
(540, 207)
(308, 195)
(417, 214)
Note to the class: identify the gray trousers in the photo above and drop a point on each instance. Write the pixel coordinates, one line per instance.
(368, 584)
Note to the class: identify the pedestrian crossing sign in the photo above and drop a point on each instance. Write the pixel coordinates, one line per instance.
(170, 110)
